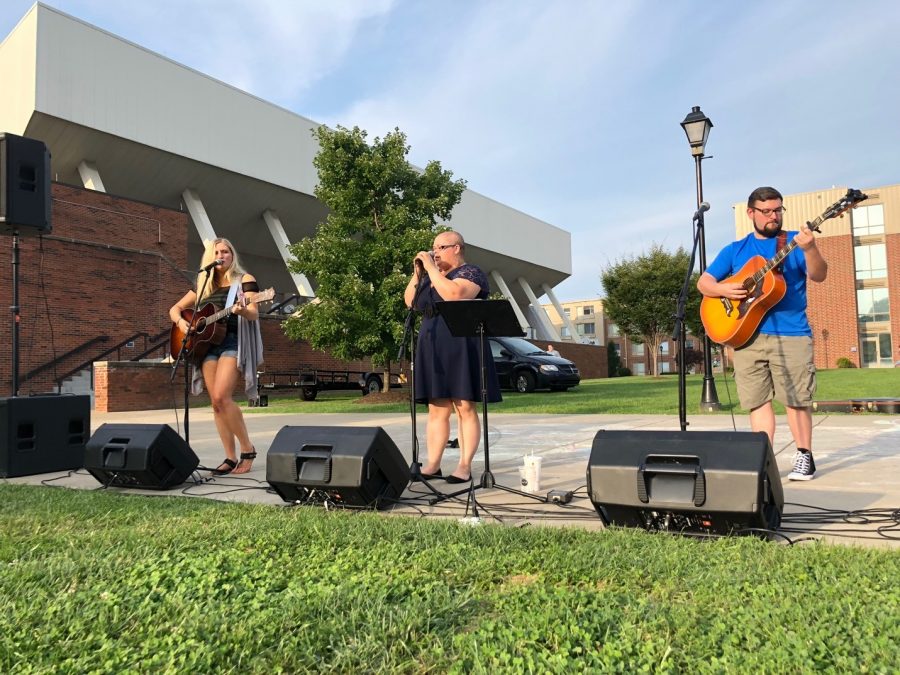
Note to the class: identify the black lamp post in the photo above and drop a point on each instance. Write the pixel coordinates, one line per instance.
(696, 127)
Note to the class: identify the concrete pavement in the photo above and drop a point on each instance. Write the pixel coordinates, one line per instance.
(856, 456)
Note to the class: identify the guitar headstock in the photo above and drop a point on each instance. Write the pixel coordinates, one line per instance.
(845, 203)
(259, 298)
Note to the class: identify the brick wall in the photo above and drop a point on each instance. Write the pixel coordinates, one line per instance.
(109, 268)
(590, 359)
(832, 305)
(892, 248)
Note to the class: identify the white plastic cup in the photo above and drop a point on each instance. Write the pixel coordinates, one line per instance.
(531, 478)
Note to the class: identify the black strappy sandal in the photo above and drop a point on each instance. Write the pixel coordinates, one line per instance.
(247, 456)
(230, 463)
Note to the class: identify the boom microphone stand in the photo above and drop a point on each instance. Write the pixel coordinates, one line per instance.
(481, 318)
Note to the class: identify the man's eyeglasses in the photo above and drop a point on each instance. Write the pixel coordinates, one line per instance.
(438, 249)
(769, 212)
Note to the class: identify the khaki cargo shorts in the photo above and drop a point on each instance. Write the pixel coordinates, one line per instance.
(775, 366)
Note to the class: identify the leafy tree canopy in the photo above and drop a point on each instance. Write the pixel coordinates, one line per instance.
(382, 212)
(642, 296)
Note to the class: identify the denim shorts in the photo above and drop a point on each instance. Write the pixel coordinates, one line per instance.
(228, 347)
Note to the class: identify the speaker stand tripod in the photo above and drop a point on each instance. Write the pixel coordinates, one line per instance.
(482, 318)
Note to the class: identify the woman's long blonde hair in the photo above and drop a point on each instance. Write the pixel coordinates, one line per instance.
(232, 273)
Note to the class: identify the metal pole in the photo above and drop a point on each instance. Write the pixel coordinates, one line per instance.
(709, 401)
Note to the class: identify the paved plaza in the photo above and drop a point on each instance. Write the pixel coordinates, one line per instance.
(856, 456)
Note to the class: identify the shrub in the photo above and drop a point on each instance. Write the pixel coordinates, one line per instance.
(844, 362)
(624, 372)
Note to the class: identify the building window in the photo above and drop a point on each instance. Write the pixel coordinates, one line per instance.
(872, 304)
(688, 344)
(618, 347)
(665, 367)
(871, 261)
(637, 349)
(564, 331)
(639, 369)
(568, 311)
(585, 328)
(664, 349)
(868, 220)
(613, 330)
(587, 310)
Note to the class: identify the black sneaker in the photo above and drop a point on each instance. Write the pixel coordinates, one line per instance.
(804, 466)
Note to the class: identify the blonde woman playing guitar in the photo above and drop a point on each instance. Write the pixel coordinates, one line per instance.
(237, 354)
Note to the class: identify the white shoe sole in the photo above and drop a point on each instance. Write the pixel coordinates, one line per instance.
(800, 476)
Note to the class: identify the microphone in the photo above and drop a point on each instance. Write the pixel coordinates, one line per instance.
(207, 268)
(704, 207)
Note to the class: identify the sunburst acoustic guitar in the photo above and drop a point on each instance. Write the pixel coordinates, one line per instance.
(733, 323)
(208, 330)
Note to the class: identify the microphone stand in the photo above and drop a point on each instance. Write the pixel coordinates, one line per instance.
(415, 467)
(184, 354)
(679, 335)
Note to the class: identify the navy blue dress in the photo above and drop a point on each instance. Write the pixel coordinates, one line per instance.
(448, 366)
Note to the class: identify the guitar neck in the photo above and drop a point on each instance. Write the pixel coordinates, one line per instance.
(776, 259)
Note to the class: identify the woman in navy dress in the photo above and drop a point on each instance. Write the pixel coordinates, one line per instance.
(447, 372)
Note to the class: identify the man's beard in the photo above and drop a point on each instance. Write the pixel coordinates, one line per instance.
(768, 234)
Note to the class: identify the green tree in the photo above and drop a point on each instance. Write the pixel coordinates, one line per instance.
(642, 296)
(382, 211)
(613, 360)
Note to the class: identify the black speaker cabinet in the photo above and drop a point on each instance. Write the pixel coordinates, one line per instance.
(24, 186)
(42, 434)
(701, 482)
(355, 466)
(146, 456)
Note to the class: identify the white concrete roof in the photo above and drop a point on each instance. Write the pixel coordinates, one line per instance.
(153, 127)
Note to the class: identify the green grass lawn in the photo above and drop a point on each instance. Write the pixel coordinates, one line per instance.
(92, 581)
(622, 395)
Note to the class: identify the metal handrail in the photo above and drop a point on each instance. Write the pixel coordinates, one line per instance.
(60, 359)
(117, 347)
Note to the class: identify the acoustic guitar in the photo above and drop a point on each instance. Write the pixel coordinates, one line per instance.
(733, 322)
(208, 329)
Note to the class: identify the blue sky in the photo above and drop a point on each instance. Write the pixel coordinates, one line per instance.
(567, 110)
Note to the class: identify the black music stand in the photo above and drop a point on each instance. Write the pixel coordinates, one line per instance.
(483, 318)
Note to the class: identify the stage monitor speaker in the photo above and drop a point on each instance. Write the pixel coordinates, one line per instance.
(42, 434)
(353, 466)
(146, 456)
(698, 482)
(24, 186)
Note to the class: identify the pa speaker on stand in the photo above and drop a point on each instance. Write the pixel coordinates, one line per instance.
(24, 186)
(695, 482)
(352, 466)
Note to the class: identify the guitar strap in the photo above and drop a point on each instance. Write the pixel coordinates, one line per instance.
(232, 293)
(782, 242)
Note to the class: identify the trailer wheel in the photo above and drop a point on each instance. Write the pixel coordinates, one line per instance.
(308, 393)
(372, 385)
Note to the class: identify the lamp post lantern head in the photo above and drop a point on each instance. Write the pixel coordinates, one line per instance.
(696, 127)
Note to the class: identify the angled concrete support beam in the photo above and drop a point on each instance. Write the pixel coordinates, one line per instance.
(559, 310)
(276, 229)
(198, 215)
(547, 328)
(501, 284)
(90, 176)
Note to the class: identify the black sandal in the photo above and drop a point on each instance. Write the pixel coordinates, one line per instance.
(247, 456)
(230, 463)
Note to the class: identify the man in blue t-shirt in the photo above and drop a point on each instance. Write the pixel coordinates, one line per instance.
(777, 362)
